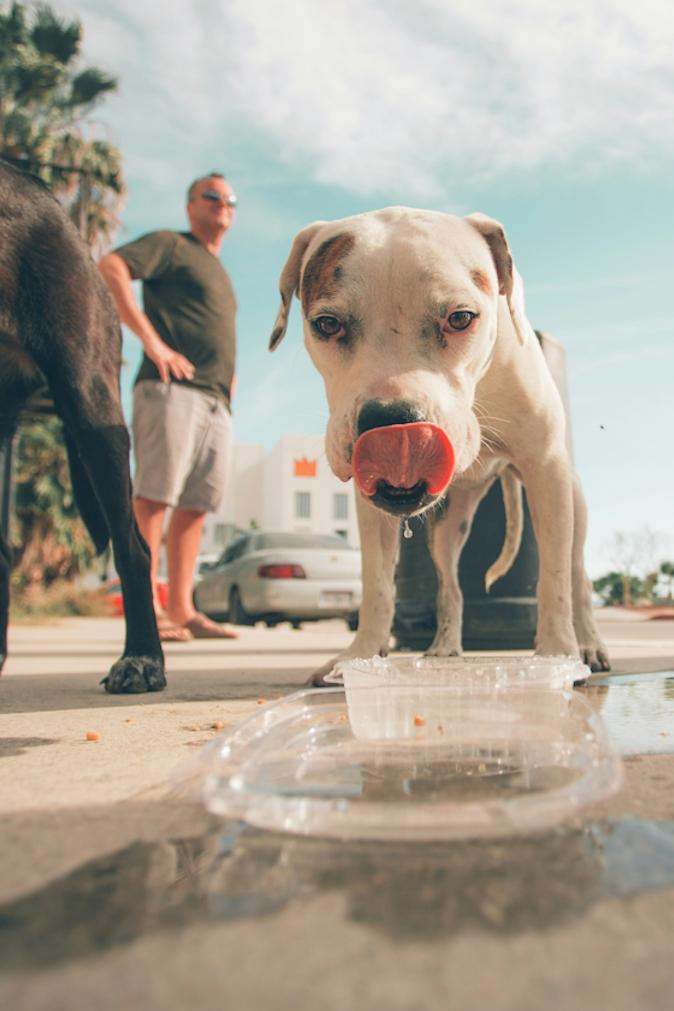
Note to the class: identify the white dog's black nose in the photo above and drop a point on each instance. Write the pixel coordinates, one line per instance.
(377, 414)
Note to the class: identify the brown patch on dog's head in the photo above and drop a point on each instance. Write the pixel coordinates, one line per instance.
(482, 281)
(323, 271)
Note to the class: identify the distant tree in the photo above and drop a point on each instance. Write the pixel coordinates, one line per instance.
(624, 551)
(649, 586)
(667, 571)
(638, 553)
(611, 588)
(45, 99)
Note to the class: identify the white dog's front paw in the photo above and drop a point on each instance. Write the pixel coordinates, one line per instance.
(447, 639)
(444, 647)
(360, 647)
(557, 644)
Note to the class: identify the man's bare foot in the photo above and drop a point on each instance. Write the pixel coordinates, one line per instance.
(201, 627)
(169, 631)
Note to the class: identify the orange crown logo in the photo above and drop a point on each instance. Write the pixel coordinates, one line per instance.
(304, 467)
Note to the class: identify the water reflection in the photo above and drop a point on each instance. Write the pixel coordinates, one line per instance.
(638, 710)
(416, 892)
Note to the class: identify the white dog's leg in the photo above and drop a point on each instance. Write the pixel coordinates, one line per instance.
(379, 550)
(592, 650)
(446, 538)
(549, 488)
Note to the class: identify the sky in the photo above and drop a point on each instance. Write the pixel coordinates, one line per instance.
(557, 118)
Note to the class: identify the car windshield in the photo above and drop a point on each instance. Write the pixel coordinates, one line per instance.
(289, 540)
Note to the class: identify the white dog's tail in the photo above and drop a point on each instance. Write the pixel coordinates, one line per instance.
(511, 487)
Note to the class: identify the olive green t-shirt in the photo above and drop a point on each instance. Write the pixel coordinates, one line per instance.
(190, 301)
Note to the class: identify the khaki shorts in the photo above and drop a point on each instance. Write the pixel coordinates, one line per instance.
(182, 440)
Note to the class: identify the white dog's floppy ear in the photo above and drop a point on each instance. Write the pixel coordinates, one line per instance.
(290, 279)
(508, 277)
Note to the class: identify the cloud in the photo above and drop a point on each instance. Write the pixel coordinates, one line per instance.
(584, 284)
(375, 96)
(641, 355)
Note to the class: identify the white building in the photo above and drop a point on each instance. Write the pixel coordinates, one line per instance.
(291, 487)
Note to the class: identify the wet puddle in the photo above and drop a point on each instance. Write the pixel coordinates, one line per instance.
(638, 711)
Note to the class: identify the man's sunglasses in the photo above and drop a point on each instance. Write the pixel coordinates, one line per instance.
(220, 197)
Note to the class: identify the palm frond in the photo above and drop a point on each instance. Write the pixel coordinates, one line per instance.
(54, 36)
(89, 85)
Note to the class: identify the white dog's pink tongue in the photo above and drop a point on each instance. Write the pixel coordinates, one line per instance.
(402, 456)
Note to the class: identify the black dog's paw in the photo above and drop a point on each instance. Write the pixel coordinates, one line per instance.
(132, 675)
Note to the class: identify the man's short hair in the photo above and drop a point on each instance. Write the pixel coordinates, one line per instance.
(191, 193)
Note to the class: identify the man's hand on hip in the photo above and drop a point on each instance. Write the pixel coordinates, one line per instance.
(169, 363)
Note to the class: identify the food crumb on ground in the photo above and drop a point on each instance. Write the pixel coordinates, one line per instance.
(261, 702)
(419, 721)
(92, 735)
(194, 726)
(217, 725)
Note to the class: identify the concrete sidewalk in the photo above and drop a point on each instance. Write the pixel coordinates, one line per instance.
(50, 698)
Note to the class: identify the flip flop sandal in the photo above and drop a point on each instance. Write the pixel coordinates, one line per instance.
(201, 627)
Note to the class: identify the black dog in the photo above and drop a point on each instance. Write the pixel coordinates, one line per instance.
(58, 325)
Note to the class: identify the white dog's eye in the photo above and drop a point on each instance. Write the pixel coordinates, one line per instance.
(461, 319)
(328, 326)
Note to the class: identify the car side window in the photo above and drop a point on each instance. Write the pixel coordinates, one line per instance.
(237, 548)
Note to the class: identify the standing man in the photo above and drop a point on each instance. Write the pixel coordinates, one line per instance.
(181, 406)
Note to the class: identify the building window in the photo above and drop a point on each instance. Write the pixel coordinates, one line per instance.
(303, 505)
(341, 533)
(340, 506)
(219, 533)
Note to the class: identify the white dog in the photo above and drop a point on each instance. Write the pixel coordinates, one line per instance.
(415, 320)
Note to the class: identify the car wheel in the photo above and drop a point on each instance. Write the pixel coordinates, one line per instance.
(296, 624)
(238, 615)
(352, 621)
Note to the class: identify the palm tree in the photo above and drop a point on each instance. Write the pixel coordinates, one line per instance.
(45, 99)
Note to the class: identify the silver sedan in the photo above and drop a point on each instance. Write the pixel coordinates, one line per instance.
(277, 577)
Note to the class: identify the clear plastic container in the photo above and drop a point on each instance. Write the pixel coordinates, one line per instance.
(387, 696)
(427, 760)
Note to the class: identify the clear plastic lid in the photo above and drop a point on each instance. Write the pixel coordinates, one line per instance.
(461, 674)
(443, 765)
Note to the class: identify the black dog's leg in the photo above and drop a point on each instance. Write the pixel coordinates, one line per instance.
(59, 324)
(104, 452)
